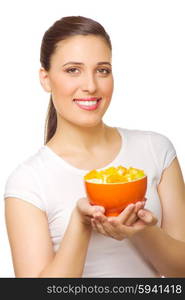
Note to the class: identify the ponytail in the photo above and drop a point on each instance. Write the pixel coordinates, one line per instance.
(51, 122)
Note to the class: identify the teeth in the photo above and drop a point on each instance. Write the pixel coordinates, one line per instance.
(86, 103)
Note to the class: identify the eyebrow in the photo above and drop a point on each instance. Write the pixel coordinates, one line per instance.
(80, 63)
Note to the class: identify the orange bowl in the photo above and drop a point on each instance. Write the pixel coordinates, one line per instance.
(114, 197)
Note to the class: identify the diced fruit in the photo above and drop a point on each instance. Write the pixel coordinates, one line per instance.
(114, 175)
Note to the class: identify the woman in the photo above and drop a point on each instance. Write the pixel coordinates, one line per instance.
(50, 230)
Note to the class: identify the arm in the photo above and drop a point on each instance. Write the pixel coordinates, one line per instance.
(165, 248)
(70, 258)
(31, 245)
(165, 253)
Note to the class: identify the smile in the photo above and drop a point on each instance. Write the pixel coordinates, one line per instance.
(88, 104)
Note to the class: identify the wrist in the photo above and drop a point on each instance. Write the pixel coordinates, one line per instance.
(78, 218)
(144, 233)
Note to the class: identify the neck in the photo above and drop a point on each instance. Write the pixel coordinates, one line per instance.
(69, 137)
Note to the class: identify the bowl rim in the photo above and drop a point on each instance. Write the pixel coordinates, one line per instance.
(87, 180)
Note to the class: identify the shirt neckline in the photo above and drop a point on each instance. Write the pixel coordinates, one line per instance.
(79, 171)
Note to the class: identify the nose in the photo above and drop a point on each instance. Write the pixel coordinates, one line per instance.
(89, 83)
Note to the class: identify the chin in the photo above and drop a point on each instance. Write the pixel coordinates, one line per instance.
(88, 123)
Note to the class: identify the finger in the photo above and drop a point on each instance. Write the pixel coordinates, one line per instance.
(131, 220)
(98, 216)
(147, 217)
(133, 217)
(126, 213)
(104, 226)
(110, 227)
(99, 227)
(93, 225)
(138, 206)
(119, 230)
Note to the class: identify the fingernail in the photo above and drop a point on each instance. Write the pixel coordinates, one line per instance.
(141, 213)
(99, 209)
(131, 206)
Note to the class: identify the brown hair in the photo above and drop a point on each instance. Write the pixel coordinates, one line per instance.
(61, 30)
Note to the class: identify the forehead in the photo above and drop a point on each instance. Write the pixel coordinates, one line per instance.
(82, 48)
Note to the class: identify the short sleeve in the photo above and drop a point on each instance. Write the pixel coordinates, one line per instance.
(23, 184)
(163, 151)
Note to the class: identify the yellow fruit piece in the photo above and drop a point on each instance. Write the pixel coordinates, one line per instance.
(92, 174)
(115, 174)
(121, 170)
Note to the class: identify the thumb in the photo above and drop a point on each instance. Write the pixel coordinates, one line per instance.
(86, 208)
(147, 217)
(99, 209)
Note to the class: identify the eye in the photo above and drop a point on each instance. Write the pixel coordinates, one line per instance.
(72, 70)
(104, 71)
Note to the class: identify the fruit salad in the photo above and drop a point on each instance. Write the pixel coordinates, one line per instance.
(118, 174)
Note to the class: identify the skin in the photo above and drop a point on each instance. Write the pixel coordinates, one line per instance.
(83, 139)
(79, 130)
(164, 247)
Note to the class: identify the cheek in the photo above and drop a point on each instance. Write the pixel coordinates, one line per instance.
(107, 88)
(64, 87)
(69, 87)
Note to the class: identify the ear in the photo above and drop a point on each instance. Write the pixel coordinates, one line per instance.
(44, 80)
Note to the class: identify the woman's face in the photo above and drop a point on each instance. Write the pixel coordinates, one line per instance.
(80, 79)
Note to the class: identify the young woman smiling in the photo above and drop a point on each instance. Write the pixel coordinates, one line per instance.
(52, 228)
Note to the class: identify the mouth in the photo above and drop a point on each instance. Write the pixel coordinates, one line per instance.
(88, 103)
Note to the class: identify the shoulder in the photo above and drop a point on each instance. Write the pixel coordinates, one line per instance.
(160, 144)
(154, 145)
(23, 182)
(146, 135)
(29, 165)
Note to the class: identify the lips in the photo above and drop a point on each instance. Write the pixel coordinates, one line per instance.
(87, 103)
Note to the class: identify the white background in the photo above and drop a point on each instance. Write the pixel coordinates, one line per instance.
(148, 38)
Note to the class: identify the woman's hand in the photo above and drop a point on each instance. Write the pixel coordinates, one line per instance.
(132, 219)
(86, 211)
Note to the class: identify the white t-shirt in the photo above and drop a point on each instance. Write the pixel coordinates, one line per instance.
(53, 185)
